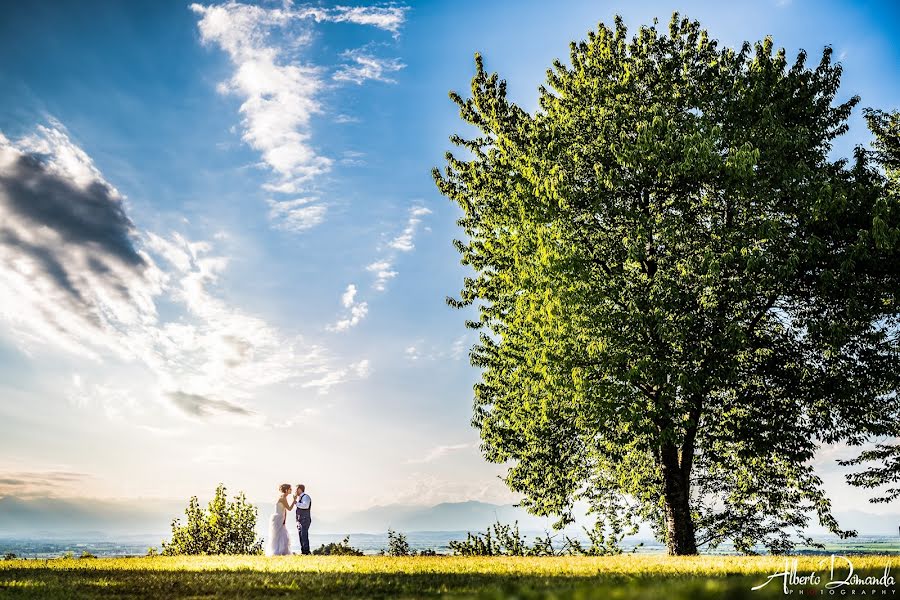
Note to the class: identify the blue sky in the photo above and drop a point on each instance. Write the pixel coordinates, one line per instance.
(273, 165)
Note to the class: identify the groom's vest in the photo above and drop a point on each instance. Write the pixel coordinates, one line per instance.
(304, 513)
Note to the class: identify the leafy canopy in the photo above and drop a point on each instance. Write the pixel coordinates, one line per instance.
(681, 296)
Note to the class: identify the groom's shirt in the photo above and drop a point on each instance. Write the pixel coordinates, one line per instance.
(304, 505)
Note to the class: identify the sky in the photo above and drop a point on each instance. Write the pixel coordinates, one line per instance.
(222, 255)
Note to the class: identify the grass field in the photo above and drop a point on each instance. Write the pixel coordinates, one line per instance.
(622, 577)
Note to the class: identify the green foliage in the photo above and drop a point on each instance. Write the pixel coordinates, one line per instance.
(342, 549)
(506, 540)
(885, 472)
(223, 528)
(680, 296)
(152, 551)
(397, 544)
(87, 554)
(10, 556)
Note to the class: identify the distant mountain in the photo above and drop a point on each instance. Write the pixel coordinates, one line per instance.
(118, 519)
(61, 517)
(448, 516)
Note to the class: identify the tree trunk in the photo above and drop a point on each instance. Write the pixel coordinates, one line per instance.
(680, 539)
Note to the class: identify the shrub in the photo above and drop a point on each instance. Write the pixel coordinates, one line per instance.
(10, 556)
(397, 544)
(342, 549)
(427, 552)
(505, 540)
(224, 528)
(152, 551)
(87, 554)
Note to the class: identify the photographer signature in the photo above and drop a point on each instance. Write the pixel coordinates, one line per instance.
(791, 578)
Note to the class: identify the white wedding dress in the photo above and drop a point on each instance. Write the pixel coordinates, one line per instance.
(279, 543)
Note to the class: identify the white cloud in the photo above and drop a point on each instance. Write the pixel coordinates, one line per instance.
(404, 241)
(363, 67)
(76, 274)
(348, 296)
(69, 267)
(384, 272)
(352, 158)
(331, 378)
(114, 402)
(280, 94)
(438, 452)
(296, 215)
(383, 267)
(389, 18)
(356, 311)
(280, 91)
(362, 368)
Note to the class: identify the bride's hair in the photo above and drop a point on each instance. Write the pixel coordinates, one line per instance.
(284, 487)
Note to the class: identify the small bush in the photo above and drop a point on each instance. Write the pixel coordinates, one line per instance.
(397, 544)
(10, 556)
(67, 554)
(505, 540)
(224, 528)
(427, 552)
(87, 554)
(152, 551)
(342, 549)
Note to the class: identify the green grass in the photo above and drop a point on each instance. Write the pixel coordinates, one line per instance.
(583, 578)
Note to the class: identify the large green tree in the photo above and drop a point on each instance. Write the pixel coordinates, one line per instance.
(681, 295)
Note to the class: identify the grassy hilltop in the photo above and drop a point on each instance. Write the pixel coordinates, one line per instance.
(584, 578)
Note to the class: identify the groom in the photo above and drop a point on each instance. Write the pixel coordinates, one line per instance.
(304, 508)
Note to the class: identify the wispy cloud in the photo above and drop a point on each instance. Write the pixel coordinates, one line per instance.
(363, 67)
(383, 267)
(389, 18)
(280, 90)
(76, 273)
(201, 406)
(115, 402)
(279, 93)
(438, 452)
(69, 265)
(384, 272)
(333, 377)
(354, 311)
(353, 158)
(25, 484)
(404, 241)
(296, 215)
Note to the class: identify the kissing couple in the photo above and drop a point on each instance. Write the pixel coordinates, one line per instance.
(279, 543)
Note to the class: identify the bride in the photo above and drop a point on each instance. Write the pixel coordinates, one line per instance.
(279, 542)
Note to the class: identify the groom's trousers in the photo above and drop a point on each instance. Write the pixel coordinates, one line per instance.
(303, 529)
